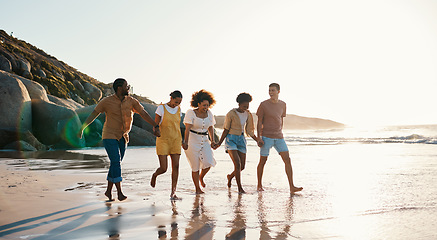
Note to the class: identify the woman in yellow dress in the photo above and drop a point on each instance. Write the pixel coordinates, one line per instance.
(168, 116)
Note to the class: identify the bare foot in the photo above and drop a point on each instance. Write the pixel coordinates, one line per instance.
(153, 180)
(229, 180)
(260, 188)
(109, 196)
(199, 192)
(121, 197)
(202, 182)
(296, 189)
(241, 191)
(174, 197)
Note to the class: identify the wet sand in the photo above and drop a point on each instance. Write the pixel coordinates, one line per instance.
(386, 192)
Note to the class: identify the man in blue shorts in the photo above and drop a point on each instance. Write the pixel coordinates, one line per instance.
(269, 129)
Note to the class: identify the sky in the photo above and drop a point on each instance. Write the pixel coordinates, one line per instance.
(370, 62)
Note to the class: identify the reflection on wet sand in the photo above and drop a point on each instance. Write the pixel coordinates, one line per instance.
(54, 160)
(266, 225)
(113, 226)
(238, 230)
(200, 225)
(162, 234)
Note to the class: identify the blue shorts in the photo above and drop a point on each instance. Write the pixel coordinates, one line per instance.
(235, 142)
(278, 143)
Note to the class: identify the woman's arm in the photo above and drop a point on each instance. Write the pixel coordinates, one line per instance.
(187, 135)
(211, 135)
(222, 138)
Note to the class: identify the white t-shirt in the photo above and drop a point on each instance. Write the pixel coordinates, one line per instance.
(243, 118)
(160, 110)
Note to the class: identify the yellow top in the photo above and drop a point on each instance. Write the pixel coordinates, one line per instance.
(170, 141)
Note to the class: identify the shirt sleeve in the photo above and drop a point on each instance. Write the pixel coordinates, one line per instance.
(189, 117)
(260, 111)
(284, 114)
(227, 123)
(160, 110)
(100, 106)
(212, 118)
(137, 107)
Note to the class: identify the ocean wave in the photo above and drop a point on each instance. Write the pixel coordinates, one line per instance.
(410, 139)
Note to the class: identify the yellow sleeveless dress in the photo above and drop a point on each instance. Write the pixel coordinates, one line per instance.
(170, 141)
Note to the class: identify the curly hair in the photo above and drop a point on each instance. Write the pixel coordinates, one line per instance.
(244, 97)
(201, 96)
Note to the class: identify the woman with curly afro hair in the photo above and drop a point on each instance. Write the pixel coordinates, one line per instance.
(199, 123)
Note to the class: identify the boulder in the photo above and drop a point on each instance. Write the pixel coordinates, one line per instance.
(25, 68)
(20, 146)
(94, 91)
(77, 99)
(36, 90)
(56, 125)
(11, 58)
(41, 73)
(140, 122)
(68, 103)
(15, 103)
(5, 64)
(141, 137)
(58, 75)
(12, 135)
(93, 133)
(78, 85)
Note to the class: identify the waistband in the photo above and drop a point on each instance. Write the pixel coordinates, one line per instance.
(199, 133)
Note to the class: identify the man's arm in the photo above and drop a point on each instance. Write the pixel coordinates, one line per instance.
(149, 120)
(87, 122)
(259, 127)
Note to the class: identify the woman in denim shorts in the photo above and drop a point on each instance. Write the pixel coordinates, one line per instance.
(237, 120)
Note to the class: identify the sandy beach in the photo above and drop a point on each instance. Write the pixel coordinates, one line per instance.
(385, 193)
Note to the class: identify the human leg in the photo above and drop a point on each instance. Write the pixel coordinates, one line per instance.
(108, 192)
(264, 153)
(195, 177)
(202, 175)
(237, 169)
(289, 171)
(115, 150)
(260, 171)
(162, 169)
(174, 174)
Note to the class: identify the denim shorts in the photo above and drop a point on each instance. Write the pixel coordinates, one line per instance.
(235, 142)
(278, 143)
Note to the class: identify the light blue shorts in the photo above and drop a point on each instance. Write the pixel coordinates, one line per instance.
(278, 143)
(235, 142)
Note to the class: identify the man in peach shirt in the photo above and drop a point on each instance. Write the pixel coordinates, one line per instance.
(269, 129)
(119, 109)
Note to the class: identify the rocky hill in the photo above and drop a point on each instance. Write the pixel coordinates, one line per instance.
(44, 101)
(57, 78)
(295, 122)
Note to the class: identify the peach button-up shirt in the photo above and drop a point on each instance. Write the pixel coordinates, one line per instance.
(119, 116)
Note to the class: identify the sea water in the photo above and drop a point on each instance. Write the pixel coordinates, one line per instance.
(377, 183)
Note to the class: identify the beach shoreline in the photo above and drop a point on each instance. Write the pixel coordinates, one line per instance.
(374, 194)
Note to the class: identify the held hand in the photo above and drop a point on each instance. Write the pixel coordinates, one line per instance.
(156, 132)
(260, 143)
(215, 145)
(185, 146)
